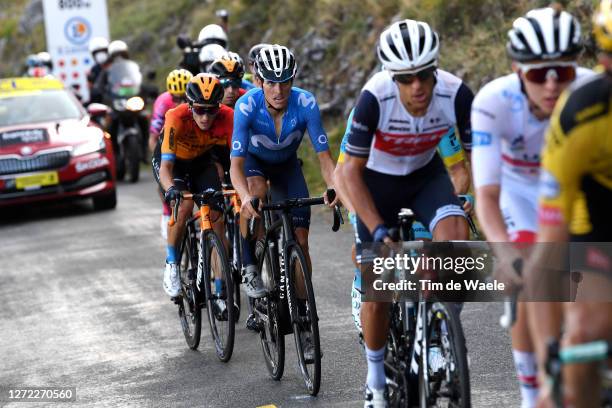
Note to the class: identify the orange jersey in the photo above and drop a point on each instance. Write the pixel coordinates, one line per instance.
(184, 140)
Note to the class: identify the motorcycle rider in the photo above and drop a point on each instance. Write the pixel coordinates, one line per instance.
(98, 48)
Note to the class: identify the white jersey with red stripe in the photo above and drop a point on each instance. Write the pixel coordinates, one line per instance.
(403, 143)
(507, 141)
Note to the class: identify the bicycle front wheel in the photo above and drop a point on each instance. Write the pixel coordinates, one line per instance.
(190, 313)
(305, 320)
(218, 285)
(447, 382)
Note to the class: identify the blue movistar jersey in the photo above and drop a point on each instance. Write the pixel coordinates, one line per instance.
(246, 84)
(254, 130)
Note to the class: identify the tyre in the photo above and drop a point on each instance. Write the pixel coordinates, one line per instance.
(450, 385)
(190, 313)
(132, 157)
(396, 367)
(218, 286)
(305, 320)
(267, 310)
(106, 201)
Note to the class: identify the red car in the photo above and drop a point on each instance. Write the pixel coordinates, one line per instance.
(50, 149)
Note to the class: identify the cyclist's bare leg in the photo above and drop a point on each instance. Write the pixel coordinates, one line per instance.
(176, 231)
(451, 228)
(585, 322)
(301, 235)
(375, 323)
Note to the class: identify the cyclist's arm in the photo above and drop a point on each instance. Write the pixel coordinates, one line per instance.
(453, 155)
(460, 176)
(463, 108)
(363, 127)
(486, 168)
(338, 178)
(168, 153)
(318, 137)
(240, 147)
(157, 121)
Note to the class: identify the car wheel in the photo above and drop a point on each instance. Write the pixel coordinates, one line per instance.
(105, 202)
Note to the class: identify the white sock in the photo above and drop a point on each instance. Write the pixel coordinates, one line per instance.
(526, 369)
(376, 368)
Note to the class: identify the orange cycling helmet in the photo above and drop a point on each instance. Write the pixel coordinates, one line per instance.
(226, 67)
(177, 80)
(204, 89)
(602, 25)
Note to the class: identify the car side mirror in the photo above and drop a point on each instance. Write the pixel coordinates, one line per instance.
(97, 109)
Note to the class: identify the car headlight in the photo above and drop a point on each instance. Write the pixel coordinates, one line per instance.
(91, 146)
(135, 104)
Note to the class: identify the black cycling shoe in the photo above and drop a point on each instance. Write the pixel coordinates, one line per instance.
(252, 324)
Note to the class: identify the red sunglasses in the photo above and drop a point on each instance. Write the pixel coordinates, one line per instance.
(205, 110)
(540, 73)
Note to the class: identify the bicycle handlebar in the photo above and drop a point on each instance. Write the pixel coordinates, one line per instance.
(204, 197)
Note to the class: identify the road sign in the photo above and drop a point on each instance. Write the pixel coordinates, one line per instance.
(69, 25)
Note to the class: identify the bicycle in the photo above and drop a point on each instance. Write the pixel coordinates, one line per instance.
(280, 260)
(592, 352)
(231, 221)
(416, 331)
(205, 278)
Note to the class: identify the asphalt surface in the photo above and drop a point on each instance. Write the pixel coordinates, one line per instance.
(81, 305)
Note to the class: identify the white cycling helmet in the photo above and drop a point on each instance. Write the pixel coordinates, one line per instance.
(235, 56)
(544, 33)
(408, 45)
(98, 44)
(276, 63)
(117, 47)
(211, 52)
(212, 34)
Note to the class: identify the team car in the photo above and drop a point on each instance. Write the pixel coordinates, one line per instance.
(50, 147)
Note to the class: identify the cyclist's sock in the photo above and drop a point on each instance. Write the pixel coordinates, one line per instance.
(526, 369)
(248, 252)
(218, 286)
(170, 254)
(376, 368)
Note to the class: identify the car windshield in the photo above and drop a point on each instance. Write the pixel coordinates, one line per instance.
(38, 106)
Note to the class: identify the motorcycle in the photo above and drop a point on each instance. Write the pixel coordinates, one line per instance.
(124, 83)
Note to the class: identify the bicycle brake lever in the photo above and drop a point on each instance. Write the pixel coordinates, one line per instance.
(255, 205)
(338, 220)
(175, 209)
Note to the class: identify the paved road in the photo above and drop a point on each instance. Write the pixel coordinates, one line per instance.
(81, 305)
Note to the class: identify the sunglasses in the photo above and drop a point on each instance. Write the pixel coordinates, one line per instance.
(408, 79)
(231, 82)
(205, 110)
(540, 73)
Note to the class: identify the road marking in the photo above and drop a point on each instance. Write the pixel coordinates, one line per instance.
(267, 406)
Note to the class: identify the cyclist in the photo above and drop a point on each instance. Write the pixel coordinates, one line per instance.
(176, 84)
(577, 159)
(230, 73)
(246, 83)
(391, 160)
(269, 126)
(253, 52)
(98, 48)
(509, 118)
(196, 135)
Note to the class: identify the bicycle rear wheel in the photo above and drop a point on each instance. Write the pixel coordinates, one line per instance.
(305, 321)
(449, 385)
(190, 313)
(218, 286)
(267, 312)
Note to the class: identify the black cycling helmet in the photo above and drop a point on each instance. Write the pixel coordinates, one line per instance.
(275, 63)
(204, 89)
(226, 67)
(254, 51)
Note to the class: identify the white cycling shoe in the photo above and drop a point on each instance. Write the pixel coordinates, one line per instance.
(375, 398)
(172, 281)
(253, 284)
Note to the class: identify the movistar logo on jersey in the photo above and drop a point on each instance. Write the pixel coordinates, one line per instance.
(247, 108)
(257, 140)
(307, 101)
